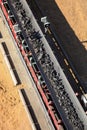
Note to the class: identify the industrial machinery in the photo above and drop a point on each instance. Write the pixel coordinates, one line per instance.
(53, 86)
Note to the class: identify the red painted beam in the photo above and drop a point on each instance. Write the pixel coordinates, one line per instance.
(43, 95)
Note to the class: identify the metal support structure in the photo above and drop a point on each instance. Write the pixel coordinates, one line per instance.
(55, 121)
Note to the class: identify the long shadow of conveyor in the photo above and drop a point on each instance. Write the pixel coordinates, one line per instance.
(67, 38)
(71, 44)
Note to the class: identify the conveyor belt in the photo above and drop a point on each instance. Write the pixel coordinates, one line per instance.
(28, 53)
(59, 52)
(12, 23)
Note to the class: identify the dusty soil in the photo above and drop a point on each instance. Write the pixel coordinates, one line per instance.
(69, 18)
(12, 112)
(75, 13)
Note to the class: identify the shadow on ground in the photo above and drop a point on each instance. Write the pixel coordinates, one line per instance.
(74, 48)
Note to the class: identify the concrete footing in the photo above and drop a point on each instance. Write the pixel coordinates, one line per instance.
(26, 109)
(6, 58)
